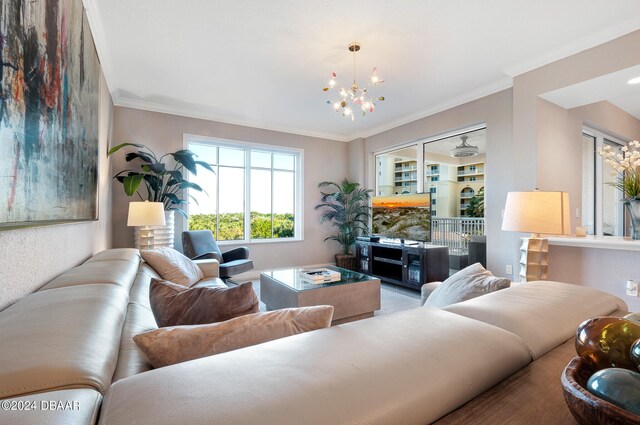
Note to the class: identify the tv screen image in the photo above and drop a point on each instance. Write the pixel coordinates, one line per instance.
(402, 216)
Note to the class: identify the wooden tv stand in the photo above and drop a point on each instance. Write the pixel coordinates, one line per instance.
(410, 265)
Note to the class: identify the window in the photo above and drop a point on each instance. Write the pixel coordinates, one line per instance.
(602, 211)
(253, 195)
(435, 178)
(472, 168)
(472, 178)
(394, 167)
(432, 189)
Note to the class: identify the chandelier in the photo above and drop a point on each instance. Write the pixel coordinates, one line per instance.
(353, 98)
(464, 150)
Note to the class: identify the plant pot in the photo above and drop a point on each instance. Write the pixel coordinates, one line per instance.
(346, 261)
(164, 234)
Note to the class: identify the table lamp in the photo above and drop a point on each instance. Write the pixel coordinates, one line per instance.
(145, 215)
(536, 213)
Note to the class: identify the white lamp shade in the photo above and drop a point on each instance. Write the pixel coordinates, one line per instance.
(146, 214)
(537, 212)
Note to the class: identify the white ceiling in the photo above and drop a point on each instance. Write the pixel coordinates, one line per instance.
(611, 87)
(263, 63)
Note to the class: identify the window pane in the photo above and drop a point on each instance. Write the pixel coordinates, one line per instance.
(283, 204)
(260, 159)
(611, 205)
(284, 161)
(588, 182)
(397, 172)
(202, 215)
(260, 204)
(205, 152)
(455, 182)
(231, 208)
(232, 156)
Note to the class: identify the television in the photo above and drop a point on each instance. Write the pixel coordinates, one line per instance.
(404, 217)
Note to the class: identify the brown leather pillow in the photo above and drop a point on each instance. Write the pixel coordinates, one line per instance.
(174, 305)
(167, 346)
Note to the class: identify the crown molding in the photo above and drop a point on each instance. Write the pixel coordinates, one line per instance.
(99, 40)
(202, 113)
(470, 96)
(578, 46)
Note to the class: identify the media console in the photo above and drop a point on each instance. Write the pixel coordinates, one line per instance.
(407, 265)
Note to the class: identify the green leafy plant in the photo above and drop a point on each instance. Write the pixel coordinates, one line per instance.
(162, 183)
(476, 205)
(347, 208)
(625, 163)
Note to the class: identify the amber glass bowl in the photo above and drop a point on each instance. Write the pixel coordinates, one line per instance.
(585, 407)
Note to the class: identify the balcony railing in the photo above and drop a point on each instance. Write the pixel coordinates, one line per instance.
(455, 232)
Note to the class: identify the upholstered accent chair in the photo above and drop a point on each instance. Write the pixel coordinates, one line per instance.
(200, 245)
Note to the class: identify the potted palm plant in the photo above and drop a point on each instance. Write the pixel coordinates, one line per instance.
(347, 208)
(153, 179)
(161, 182)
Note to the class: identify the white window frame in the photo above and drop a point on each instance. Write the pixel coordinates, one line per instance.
(419, 144)
(599, 180)
(248, 147)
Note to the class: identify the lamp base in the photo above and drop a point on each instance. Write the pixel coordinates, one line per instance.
(534, 255)
(144, 237)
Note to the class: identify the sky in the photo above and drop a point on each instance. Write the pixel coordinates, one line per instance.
(231, 173)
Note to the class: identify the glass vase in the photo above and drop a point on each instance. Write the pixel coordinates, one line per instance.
(633, 207)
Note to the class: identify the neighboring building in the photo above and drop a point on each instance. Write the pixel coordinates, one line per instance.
(451, 185)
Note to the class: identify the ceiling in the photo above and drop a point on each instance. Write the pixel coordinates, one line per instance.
(263, 63)
(611, 87)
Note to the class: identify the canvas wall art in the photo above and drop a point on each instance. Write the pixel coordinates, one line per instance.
(49, 101)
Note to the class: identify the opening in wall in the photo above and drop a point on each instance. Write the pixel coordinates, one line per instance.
(450, 167)
(602, 211)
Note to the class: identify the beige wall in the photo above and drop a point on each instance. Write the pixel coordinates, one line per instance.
(546, 143)
(323, 160)
(33, 256)
(495, 111)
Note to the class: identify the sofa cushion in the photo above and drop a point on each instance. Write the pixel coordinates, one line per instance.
(543, 314)
(468, 283)
(61, 338)
(65, 407)
(174, 305)
(123, 254)
(131, 360)
(117, 272)
(167, 346)
(410, 367)
(173, 266)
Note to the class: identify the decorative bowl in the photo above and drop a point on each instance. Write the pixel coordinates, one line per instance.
(586, 408)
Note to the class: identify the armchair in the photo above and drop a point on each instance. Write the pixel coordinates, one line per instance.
(199, 245)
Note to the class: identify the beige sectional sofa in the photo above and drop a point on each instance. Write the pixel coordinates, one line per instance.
(67, 357)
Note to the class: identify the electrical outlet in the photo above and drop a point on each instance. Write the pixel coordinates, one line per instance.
(632, 288)
(509, 269)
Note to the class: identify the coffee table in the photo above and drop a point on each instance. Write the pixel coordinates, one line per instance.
(356, 296)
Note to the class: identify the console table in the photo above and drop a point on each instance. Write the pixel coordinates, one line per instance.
(403, 264)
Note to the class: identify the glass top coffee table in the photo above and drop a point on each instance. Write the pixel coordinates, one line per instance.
(356, 296)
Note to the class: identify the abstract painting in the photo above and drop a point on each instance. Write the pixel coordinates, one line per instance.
(49, 101)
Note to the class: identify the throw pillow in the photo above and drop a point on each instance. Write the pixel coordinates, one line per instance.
(174, 305)
(468, 283)
(173, 266)
(167, 346)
